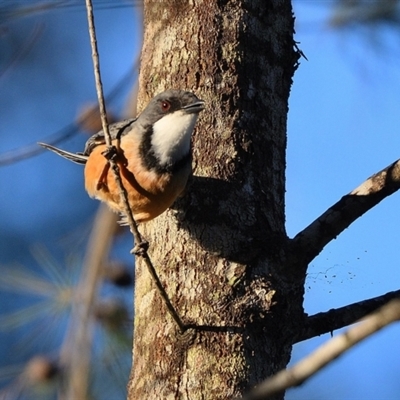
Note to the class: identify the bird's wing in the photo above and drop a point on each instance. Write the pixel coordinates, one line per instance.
(117, 130)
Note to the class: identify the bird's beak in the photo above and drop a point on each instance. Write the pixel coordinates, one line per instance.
(194, 107)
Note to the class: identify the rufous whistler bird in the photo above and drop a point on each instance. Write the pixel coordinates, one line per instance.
(154, 157)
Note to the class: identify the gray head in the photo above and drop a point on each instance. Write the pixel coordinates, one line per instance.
(167, 125)
(169, 102)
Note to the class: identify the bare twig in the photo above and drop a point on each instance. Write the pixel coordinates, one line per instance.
(310, 242)
(328, 352)
(326, 322)
(97, 75)
(140, 245)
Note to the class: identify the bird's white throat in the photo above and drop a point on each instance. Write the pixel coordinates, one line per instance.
(171, 136)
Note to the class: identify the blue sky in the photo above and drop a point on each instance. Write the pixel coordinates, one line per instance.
(343, 127)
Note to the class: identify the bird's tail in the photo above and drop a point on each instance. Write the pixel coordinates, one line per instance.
(74, 157)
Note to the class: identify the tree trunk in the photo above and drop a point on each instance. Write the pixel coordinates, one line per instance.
(221, 251)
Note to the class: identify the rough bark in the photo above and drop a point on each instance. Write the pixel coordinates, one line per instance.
(221, 250)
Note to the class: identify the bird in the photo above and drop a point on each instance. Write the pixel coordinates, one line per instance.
(153, 156)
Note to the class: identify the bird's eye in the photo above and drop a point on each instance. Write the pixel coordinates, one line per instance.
(165, 105)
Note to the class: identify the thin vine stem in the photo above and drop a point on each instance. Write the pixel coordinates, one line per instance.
(141, 246)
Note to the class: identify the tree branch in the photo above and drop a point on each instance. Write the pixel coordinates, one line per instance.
(331, 320)
(310, 242)
(326, 353)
